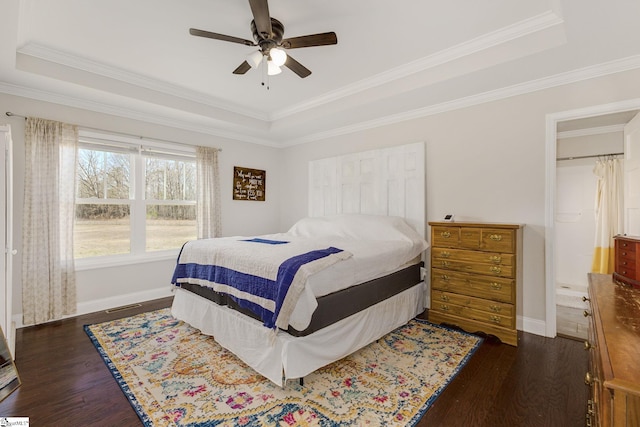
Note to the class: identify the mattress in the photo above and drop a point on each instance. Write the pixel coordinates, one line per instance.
(336, 305)
(385, 257)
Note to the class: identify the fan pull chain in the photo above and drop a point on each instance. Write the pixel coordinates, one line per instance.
(265, 74)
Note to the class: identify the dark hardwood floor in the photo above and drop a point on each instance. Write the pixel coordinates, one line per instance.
(539, 383)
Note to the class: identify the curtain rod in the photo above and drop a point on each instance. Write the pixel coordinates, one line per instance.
(588, 157)
(10, 114)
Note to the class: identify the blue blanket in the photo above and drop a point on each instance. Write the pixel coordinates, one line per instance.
(264, 276)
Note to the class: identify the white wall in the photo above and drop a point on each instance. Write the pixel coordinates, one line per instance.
(113, 286)
(483, 163)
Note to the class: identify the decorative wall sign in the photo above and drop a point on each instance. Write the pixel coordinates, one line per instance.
(248, 184)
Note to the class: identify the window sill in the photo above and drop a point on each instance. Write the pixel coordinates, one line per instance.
(120, 260)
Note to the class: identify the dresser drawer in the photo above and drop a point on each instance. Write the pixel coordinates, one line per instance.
(498, 240)
(626, 247)
(493, 288)
(473, 314)
(627, 268)
(446, 237)
(489, 306)
(472, 256)
(470, 238)
(625, 251)
(478, 268)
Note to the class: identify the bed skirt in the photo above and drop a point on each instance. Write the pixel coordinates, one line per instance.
(278, 355)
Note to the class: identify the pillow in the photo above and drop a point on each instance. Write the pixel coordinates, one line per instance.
(357, 226)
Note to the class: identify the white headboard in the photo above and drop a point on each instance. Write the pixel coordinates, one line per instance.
(388, 181)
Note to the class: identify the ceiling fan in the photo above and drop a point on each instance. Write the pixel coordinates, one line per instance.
(268, 33)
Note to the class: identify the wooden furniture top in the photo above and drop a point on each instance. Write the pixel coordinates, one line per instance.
(624, 236)
(475, 224)
(617, 310)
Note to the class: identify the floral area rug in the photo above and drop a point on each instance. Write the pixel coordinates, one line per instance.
(175, 376)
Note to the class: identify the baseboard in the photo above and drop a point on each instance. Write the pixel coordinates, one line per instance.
(526, 324)
(111, 302)
(532, 326)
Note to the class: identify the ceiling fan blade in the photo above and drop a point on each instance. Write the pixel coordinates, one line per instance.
(242, 68)
(297, 67)
(260, 11)
(322, 39)
(216, 36)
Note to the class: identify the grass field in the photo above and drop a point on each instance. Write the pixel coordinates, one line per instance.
(112, 237)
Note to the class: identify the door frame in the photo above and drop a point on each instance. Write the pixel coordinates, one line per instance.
(552, 121)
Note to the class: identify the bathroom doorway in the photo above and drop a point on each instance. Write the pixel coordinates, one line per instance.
(580, 143)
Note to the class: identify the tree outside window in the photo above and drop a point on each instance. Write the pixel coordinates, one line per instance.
(129, 202)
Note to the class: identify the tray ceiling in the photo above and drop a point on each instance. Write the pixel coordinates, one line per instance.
(393, 60)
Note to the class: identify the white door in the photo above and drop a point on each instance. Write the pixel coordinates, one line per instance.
(6, 235)
(632, 177)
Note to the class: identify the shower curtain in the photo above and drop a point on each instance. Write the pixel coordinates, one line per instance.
(609, 213)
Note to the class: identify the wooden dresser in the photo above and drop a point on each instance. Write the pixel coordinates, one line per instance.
(627, 260)
(614, 353)
(475, 271)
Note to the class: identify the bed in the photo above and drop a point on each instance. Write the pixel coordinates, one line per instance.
(362, 280)
(370, 197)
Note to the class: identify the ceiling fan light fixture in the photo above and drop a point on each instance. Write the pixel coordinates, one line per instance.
(278, 56)
(273, 68)
(254, 59)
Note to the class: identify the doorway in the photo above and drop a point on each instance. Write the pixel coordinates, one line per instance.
(567, 210)
(580, 144)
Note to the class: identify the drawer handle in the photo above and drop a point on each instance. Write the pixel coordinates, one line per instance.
(496, 286)
(444, 298)
(624, 253)
(495, 308)
(495, 319)
(496, 270)
(585, 299)
(444, 307)
(495, 237)
(586, 313)
(588, 378)
(496, 258)
(445, 254)
(445, 277)
(445, 234)
(446, 263)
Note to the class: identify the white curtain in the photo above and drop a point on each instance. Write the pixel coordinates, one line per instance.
(208, 193)
(48, 275)
(609, 213)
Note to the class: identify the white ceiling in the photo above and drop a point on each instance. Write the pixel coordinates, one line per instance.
(394, 60)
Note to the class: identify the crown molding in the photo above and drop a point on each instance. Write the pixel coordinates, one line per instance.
(68, 60)
(512, 32)
(98, 107)
(587, 73)
(503, 35)
(612, 67)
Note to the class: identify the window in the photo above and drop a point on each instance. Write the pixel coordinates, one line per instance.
(132, 200)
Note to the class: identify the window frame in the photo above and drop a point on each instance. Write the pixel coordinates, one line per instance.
(139, 151)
